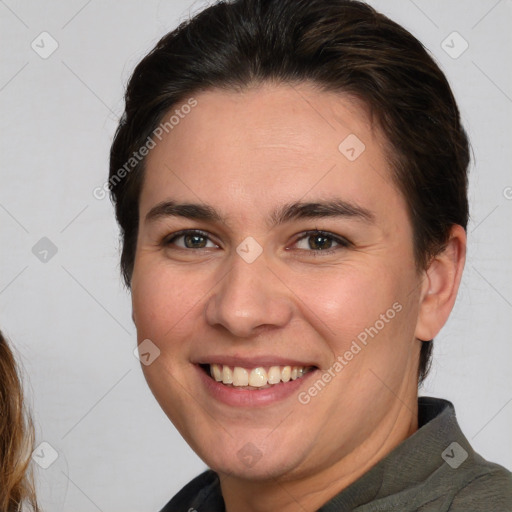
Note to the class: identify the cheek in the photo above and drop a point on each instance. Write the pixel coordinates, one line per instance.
(348, 300)
(161, 300)
(367, 318)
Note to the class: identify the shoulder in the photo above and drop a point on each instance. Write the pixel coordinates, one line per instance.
(490, 491)
(447, 474)
(203, 491)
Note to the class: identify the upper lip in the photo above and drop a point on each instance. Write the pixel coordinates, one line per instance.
(251, 362)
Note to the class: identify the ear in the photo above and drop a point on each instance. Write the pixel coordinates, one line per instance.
(133, 308)
(440, 285)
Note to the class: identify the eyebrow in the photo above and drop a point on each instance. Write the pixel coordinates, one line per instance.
(285, 213)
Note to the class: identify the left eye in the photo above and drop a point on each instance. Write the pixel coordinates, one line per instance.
(320, 241)
(191, 240)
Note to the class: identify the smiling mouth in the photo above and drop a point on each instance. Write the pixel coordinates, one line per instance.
(254, 378)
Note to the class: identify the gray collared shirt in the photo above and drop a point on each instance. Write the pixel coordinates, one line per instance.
(433, 470)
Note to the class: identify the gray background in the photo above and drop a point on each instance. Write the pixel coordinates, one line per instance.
(69, 316)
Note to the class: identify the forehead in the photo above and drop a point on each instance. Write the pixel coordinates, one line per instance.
(268, 145)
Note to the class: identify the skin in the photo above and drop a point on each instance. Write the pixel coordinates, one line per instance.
(245, 154)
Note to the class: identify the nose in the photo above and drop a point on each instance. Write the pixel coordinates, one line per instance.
(249, 299)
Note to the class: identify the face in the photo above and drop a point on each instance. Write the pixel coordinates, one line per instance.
(298, 253)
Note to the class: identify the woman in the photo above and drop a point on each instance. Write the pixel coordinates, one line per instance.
(290, 179)
(16, 438)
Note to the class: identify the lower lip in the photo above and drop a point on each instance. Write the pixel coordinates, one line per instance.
(252, 398)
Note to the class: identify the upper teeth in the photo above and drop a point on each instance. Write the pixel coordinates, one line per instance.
(255, 377)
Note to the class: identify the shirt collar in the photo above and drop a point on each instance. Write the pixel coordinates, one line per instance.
(411, 462)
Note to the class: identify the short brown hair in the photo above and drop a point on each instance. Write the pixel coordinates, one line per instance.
(340, 45)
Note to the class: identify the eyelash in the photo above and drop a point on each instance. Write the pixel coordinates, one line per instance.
(342, 242)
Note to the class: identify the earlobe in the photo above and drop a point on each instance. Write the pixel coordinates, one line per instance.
(440, 285)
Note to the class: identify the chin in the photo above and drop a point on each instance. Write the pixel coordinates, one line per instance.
(251, 463)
